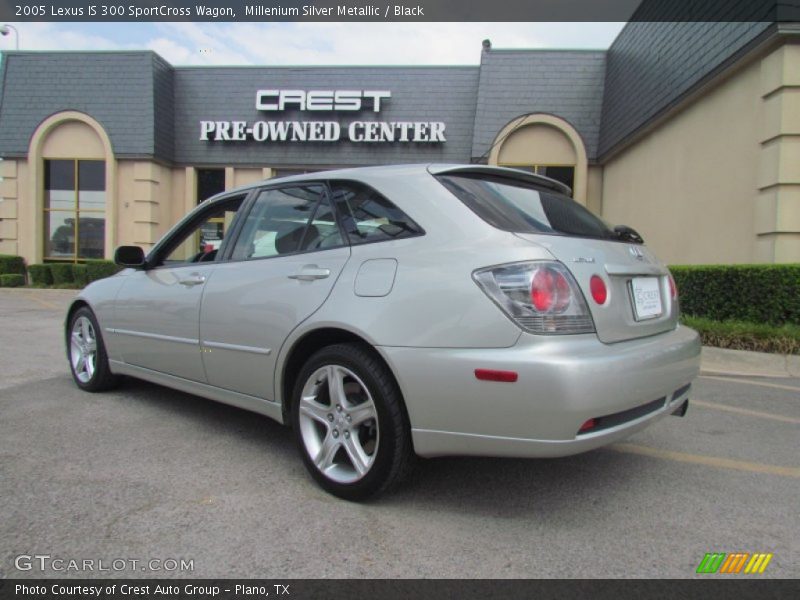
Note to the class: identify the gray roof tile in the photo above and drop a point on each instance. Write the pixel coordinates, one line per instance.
(566, 83)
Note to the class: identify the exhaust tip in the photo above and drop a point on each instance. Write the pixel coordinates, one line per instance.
(681, 410)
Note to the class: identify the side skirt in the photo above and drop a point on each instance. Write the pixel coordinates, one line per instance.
(258, 405)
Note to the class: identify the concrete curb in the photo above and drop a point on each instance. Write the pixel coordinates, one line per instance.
(742, 363)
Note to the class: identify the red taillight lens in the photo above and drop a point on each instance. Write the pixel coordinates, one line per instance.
(588, 426)
(673, 289)
(598, 289)
(550, 291)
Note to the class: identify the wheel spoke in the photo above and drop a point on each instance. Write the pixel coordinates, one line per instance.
(88, 361)
(362, 412)
(327, 451)
(319, 412)
(336, 385)
(77, 340)
(91, 346)
(77, 358)
(358, 458)
(86, 329)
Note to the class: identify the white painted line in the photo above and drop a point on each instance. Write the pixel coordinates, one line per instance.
(744, 411)
(777, 386)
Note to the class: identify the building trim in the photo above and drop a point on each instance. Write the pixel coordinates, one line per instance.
(757, 48)
(580, 187)
(36, 171)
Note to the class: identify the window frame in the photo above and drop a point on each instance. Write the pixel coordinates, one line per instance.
(192, 221)
(225, 252)
(75, 212)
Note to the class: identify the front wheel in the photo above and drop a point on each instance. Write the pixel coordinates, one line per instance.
(88, 360)
(350, 423)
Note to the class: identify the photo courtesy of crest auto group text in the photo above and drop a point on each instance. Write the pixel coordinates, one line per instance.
(328, 299)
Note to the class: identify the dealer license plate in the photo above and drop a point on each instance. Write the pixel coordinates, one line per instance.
(646, 298)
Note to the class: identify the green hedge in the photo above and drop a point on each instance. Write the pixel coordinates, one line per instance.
(12, 280)
(80, 274)
(62, 273)
(768, 294)
(738, 335)
(99, 269)
(12, 265)
(40, 275)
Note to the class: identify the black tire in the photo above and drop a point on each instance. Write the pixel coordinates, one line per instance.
(392, 454)
(100, 378)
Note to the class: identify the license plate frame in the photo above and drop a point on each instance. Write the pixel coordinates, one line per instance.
(646, 298)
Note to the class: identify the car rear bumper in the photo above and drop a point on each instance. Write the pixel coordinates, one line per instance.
(563, 381)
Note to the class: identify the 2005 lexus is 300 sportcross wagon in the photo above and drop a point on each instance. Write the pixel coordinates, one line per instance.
(385, 312)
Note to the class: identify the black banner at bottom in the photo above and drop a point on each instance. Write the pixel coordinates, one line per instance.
(389, 589)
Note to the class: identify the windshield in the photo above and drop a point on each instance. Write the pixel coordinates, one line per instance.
(520, 207)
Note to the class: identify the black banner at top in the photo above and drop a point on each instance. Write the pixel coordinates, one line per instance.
(399, 10)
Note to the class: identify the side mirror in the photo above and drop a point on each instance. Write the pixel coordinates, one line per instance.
(129, 256)
(628, 234)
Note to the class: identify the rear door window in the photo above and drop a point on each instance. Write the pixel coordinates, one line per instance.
(288, 220)
(521, 207)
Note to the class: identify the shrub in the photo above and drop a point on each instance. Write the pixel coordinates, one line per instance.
(80, 274)
(768, 294)
(62, 273)
(99, 269)
(738, 335)
(12, 280)
(40, 275)
(12, 265)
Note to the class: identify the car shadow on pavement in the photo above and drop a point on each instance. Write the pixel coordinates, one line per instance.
(482, 486)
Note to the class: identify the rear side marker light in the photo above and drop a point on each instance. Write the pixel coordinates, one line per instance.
(598, 288)
(588, 426)
(493, 375)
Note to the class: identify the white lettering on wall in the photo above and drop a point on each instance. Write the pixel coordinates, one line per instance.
(322, 100)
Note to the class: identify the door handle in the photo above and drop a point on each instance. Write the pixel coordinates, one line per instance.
(310, 273)
(193, 280)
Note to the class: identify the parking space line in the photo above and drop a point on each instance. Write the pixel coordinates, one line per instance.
(751, 382)
(744, 411)
(41, 302)
(708, 461)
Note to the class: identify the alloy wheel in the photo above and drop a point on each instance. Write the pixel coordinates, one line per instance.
(339, 424)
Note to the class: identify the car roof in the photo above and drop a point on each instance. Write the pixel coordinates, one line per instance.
(358, 173)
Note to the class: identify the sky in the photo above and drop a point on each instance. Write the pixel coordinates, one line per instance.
(311, 43)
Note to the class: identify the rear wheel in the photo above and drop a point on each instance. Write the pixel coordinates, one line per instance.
(87, 354)
(349, 422)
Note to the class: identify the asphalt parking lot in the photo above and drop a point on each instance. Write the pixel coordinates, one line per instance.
(145, 473)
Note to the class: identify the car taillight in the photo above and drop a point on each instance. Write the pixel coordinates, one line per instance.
(673, 289)
(549, 290)
(598, 288)
(540, 296)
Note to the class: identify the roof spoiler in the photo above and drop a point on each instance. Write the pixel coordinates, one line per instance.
(517, 174)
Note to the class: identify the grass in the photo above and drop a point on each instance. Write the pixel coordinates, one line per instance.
(741, 335)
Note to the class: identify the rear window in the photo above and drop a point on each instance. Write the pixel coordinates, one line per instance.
(519, 207)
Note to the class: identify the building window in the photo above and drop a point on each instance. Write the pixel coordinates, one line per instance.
(563, 173)
(74, 209)
(209, 183)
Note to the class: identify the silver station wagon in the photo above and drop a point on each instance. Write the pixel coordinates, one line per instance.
(393, 312)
